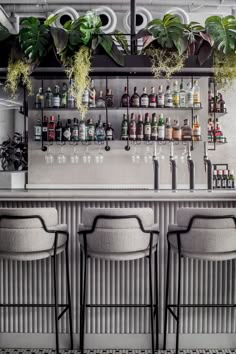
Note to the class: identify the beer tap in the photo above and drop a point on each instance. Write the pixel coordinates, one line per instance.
(208, 167)
(191, 169)
(156, 167)
(173, 168)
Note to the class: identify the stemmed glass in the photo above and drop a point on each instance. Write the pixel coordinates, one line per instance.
(74, 157)
(49, 157)
(86, 156)
(135, 156)
(61, 157)
(160, 154)
(184, 154)
(99, 158)
(148, 155)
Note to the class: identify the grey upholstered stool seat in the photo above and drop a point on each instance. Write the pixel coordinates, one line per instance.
(118, 234)
(205, 234)
(29, 234)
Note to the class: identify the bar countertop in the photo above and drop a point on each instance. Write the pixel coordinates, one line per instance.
(113, 195)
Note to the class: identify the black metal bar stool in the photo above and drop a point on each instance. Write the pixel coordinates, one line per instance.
(120, 235)
(205, 234)
(30, 234)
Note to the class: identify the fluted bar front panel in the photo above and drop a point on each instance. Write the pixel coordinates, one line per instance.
(116, 282)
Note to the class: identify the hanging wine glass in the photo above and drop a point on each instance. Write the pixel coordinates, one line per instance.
(148, 155)
(99, 158)
(74, 157)
(49, 157)
(61, 157)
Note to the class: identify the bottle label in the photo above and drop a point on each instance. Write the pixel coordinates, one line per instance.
(132, 131)
(197, 131)
(75, 134)
(175, 99)
(182, 101)
(109, 134)
(168, 101)
(37, 132)
(135, 102)
(196, 98)
(160, 100)
(91, 131)
(56, 101)
(168, 133)
(71, 102)
(82, 133)
(124, 132)
(229, 184)
(152, 101)
(140, 135)
(125, 101)
(67, 134)
(144, 101)
(190, 98)
(218, 183)
(51, 134)
(147, 129)
(161, 132)
(224, 183)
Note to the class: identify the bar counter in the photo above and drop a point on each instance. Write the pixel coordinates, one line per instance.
(117, 281)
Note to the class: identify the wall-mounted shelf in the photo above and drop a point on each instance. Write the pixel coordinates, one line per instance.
(121, 109)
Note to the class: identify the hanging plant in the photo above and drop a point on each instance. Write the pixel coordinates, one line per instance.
(223, 32)
(18, 71)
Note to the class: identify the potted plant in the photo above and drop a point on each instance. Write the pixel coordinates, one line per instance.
(14, 162)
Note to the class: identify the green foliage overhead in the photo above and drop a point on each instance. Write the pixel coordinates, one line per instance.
(223, 32)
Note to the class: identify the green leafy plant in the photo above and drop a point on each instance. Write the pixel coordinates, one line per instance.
(14, 154)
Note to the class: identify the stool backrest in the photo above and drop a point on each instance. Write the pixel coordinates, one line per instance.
(116, 231)
(21, 229)
(210, 230)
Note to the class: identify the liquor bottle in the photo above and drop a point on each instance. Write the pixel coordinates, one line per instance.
(64, 95)
(214, 179)
(152, 98)
(92, 95)
(154, 128)
(140, 128)
(186, 131)
(85, 98)
(125, 98)
(231, 179)
(147, 128)
(100, 133)
(144, 100)
(56, 100)
(182, 96)
(109, 98)
(196, 95)
(175, 94)
(196, 129)
(75, 130)
(189, 95)
(225, 178)
(124, 128)
(38, 130)
(177, 131)
(48, 98)
(211, 105)
(82, 130)
(100, 100)
(71, 97)
(160, 97)
(67, 130)
(135, 99)
(168, 98)
(59, 129)
(39, 99)
(217, 102)
(168, 129)
(45, 129)
(219, 179)
(91, 130)
(51, 129)
(132, 127)
(161, 127)
(222, 104)
(109, 132)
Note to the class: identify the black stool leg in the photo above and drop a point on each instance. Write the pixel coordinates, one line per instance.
(55, 300)
(156, 293)
(178, 305)
(166, 298)
(84, 301)
(81, 298)
(151, 293)
(69, 297)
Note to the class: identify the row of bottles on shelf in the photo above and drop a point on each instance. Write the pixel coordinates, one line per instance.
(216, 102)
(215, 133)
(175, 97)
(223, 179)
(151, 129)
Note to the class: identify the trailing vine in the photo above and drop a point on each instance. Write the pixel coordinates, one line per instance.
(18, 71)
(224, 69)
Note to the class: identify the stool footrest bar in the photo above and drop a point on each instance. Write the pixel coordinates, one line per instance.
(63, 312)
(118, 305)
(32, 305)
(172, 313)
(202, 305)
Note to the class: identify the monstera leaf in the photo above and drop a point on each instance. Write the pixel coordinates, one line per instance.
(35, 38)
(88, 26)
(223, 32)
(111, 49)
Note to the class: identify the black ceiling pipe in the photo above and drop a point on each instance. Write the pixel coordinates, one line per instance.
(133, 26)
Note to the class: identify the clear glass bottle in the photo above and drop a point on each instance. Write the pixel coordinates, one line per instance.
(38, 131)
(124, 128)
(147, 128)
(177, 131)
(186, 131)
(160, 97)
(132, 127)
(168, 98)
(39, 99)
(175, 94)
(100, 131)
(189, 96)
(154, 128)
(168, 129)
(196, 129)
(152, 98)
(92, 95)
(56, 97)
(64, 95)
(161, 127)
(71, 97)
(48, 98)
(144, 100)
(125, 98)
(140, 128)
(109, 98)
(91, 130)
(182, 96)
(196, 95)
(100, 100)
(135, 99)
(85, 98)
(82, 130)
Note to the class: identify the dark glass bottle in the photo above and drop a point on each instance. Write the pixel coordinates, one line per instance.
(109, 98)
(67, 131)
(140, 128)
(152, 98)
(109, 132)
(51, 129)
(59, 129)
(147, 128)
(144, 100)
(135, 99)
(75, 130)
(45, 129)
(125, 98)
